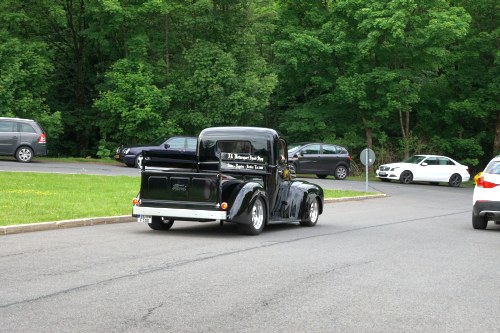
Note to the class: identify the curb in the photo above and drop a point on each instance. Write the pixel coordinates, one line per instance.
(362, 197)
(20, 228)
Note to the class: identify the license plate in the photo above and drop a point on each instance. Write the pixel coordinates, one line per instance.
(117, 157)
(144, 219)
(382, 174)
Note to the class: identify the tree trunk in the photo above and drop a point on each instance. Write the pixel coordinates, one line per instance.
(496, 140)
(368, 133)
(405, 130)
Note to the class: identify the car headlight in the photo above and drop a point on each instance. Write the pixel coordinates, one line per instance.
(394, 169)
(126, 150)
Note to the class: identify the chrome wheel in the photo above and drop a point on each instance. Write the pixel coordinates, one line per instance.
(138, 161)
(314, 211)
(341, 172)
(256, 219)
(24, 154)
(257, 214)
(311, 213)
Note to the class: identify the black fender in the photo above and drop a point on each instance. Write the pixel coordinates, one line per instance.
(241, 200)
(301, 195)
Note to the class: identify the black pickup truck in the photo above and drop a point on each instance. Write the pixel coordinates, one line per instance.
(238, 175)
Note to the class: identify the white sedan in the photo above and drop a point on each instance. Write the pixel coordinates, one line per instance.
(425, 168)
(486, 197)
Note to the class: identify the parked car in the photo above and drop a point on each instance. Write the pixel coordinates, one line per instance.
(425, 168)
(321, 159)
(132, 155)
(22, 138)
(486, 197)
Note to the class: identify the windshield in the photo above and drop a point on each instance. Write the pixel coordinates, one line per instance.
(293, 147)
(414, 159)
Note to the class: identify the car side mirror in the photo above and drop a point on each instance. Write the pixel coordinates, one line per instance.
(166, 145)
(424, 164)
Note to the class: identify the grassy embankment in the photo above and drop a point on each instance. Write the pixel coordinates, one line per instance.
(42, 197)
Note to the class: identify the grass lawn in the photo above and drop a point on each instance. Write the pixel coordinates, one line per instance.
(43, 197)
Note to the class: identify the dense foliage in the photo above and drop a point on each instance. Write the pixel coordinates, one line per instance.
(401, 76)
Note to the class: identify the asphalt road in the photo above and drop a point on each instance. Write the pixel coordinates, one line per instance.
(409, 262)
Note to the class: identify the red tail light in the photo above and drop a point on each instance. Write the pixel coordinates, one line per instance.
(485, 184)
(42, 138)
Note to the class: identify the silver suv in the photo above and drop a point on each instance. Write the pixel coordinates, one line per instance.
(486, 197)
(22, 138)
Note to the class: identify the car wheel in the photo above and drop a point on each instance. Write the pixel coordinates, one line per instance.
(159, 223)
(321, 176)
(24, 154)
(340, 172)
(257, 219)
(455, 180)
(312, 214)
(479, 222)
(138, 161)
(406, 177)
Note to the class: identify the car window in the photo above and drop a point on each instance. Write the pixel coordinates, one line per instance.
(493, 167)
(27, 128)
(8, 126)
(431, 161)
(191, 143)
(176, 143)
(414, 159)
(445, 161)
(329, 149)
(310, 150)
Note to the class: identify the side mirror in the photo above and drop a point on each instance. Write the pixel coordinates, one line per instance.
(166, 145)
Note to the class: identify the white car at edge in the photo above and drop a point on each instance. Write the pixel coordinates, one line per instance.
(425, 168)
(486, 197)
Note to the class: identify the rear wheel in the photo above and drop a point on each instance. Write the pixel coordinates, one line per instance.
(321, 176)
(479, 222)
(340, 172)
(406, 177)
(257, 219)
(24, 154)
(455, 180)
(160, 223)
(312, 214)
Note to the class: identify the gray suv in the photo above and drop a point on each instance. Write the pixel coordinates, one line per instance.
(22, 138)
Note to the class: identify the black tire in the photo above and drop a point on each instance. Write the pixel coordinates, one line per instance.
(159, 223)
(311, 214)
(386, 180)
(138, 161)
(341, 172)
(406, 177)
(257, 219)
(479, 222)
(24, 154)
(321, 176)
(455, 180)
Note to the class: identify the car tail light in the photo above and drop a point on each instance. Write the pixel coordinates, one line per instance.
(485, 184)
(135, 201)
(349, 157)
(223, 206)
(42, 138)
